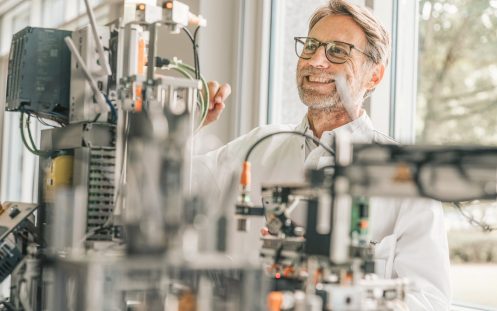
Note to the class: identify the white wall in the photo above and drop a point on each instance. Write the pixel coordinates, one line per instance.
(218, 53)
(234, 49)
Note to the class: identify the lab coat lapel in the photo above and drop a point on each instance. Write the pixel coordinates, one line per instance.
(359, 131)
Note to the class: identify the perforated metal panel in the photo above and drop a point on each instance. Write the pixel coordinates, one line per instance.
(10, 256)
(100, 190)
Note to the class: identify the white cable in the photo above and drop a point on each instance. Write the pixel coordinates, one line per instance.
(98, 95)
(192, 147)
(101, 54)
(24, 296)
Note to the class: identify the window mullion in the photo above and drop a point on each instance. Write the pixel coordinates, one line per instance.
(405, 73)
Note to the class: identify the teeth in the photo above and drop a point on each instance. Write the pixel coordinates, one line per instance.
(320, 79)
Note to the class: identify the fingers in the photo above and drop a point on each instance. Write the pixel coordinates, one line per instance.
(223, 93)
(214, 113)
(213, 88)
(218, 93)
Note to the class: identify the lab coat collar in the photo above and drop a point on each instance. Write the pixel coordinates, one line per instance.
(360, 130)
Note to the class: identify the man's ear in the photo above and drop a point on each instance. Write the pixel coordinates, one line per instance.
(377, 76)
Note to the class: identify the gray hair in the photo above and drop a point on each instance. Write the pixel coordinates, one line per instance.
(378, 39)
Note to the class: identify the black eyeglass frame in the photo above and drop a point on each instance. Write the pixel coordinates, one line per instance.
(326, 45)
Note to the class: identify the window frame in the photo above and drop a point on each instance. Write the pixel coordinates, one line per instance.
(15, 186)
(404, 71)
(252, 64)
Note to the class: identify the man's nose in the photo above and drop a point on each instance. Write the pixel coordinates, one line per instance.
(319, 59)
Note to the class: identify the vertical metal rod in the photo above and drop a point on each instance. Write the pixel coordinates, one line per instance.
(151, 51)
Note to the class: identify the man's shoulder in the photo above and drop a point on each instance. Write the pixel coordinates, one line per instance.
(244, 142)
(268, 129)
(380, 138)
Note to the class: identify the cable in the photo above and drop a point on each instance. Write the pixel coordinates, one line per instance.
(484, 226)
(31, 148)
(187, 71)
(201, 78)
(196, 60)
(107, 225)
(205, 102)
(195, 56)
(96, 118)
(189, 34)
(195, 47)
(112, 109)
(291, 133)
(7, 305)
(30, 135)
(21, 124)
(40, 119)
(203, 99)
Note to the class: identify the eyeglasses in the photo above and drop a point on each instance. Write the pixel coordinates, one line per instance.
(336, 52)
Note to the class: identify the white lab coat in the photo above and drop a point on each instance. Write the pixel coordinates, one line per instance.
(411, 237)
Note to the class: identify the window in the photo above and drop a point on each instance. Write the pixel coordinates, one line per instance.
(3, 73)
(456, 104)
(17, 165)
(290, 18)
(49, 19)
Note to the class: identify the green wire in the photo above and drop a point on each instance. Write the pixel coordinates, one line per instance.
(31, 148)
(30, 135)
(21, 123)
(204, 101)
(204, 83)
(202, 79)
(182, 71)
(187, 75)
(206, 88)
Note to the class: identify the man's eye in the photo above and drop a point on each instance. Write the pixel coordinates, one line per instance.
(311, 46)
(338, 51)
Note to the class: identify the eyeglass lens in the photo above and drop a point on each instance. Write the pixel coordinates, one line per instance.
(336, 52)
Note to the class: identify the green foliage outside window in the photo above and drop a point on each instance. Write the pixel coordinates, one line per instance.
(457, 104)
(457, 87)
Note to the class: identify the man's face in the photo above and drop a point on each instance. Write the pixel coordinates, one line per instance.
(316, 76)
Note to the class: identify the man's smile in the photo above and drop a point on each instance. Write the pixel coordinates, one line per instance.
(318, 82)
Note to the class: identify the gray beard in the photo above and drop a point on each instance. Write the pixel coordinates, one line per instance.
(319, 102)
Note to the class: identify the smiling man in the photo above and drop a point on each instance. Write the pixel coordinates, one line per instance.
(341, 61)
(343, 56)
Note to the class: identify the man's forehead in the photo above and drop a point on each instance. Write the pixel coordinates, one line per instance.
(338, 28)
